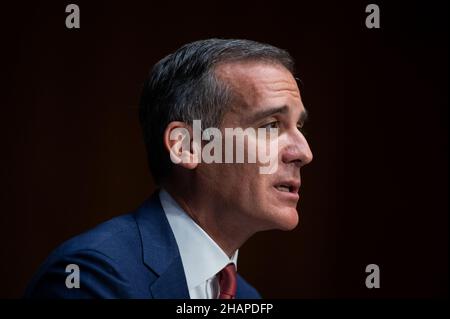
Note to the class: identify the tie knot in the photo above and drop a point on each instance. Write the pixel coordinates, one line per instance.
(227, 282)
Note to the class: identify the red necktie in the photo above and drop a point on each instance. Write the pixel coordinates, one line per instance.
(227, 282)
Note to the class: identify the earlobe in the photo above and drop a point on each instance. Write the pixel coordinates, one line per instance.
(179, 144)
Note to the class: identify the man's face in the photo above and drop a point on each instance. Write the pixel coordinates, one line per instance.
(266, 96)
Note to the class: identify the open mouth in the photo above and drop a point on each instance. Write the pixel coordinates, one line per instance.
(284, 188)
(289, 187)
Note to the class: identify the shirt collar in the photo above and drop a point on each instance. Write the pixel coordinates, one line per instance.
(202, 258)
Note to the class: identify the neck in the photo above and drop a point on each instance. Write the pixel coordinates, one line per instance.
(223, 226)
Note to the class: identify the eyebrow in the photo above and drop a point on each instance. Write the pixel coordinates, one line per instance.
(277, 110)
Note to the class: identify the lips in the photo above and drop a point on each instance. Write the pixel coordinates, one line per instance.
(288, 189)
(283, 188)
(288, 186)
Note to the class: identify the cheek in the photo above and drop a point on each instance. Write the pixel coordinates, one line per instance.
(246, 185)
(267, 146)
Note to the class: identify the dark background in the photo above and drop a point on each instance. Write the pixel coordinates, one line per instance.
(72, 154)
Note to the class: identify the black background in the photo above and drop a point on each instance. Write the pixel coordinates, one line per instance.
(72, 153)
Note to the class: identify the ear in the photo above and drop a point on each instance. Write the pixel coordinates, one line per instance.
(179, 143)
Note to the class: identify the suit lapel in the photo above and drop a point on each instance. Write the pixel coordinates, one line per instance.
(160, 251)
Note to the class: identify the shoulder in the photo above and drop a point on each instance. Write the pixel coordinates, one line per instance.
(106, 258)
(116, 236)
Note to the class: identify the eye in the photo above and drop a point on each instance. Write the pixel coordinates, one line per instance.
(274, 124)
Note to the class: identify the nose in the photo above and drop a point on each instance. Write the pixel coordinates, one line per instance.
(297, 150)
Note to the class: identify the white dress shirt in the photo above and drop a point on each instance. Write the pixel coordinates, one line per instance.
(202, 258)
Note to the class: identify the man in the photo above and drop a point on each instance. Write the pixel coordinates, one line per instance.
(183, 241)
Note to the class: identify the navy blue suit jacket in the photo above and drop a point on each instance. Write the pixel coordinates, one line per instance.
(130, 256)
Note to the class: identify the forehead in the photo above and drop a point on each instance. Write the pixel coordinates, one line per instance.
(257, 85)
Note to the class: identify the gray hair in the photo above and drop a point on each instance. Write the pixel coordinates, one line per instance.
(183, 86)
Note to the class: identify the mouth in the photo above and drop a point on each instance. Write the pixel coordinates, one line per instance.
(288, 189)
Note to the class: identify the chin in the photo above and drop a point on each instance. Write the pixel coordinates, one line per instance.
(286, 219)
